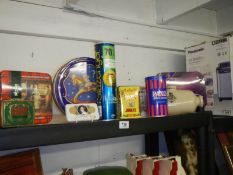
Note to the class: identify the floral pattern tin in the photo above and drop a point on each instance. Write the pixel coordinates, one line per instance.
(75, 82)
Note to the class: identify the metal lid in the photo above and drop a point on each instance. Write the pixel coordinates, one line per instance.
(75, 82)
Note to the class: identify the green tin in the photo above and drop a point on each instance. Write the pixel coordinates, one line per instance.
(17, 113)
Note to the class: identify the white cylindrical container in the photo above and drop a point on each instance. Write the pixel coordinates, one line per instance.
(183, 101)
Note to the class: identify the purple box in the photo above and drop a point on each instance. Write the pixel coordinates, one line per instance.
(193, 81)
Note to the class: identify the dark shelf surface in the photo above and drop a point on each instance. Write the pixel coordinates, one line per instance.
(222, 123)
(41, 135)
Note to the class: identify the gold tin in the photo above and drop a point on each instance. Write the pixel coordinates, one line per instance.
(128, 101)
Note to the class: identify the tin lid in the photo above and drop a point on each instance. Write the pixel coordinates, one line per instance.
(75, 82)
(105, 43)
(156, 77)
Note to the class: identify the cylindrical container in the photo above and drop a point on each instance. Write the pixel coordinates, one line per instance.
(156, 96)
(183, 101)
(106, 80)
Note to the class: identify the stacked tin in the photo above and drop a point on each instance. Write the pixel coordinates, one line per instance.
(26, 98)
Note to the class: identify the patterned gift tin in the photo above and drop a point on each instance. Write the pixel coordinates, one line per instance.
(17, 113)
(75, 82)
(106, 80)
(156, 95)
(29, 86)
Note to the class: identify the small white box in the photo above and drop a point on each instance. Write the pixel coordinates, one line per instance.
(214, 60)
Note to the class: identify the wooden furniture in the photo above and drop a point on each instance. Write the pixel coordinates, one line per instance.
(23, 163)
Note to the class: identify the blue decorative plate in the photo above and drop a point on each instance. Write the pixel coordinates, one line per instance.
(75, 82)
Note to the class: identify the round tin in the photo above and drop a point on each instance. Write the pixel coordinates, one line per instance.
(156, 96)
(75, 82)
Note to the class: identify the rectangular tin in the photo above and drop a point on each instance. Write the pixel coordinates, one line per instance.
(82, 112)
(106, 80)
(129, 101)
(17, 113)
(29, 86)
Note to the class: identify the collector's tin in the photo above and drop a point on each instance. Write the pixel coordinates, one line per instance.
(17, 113)
(29, 86)
(75, 82)
(106, 80)
(129, 101)
(156, 95)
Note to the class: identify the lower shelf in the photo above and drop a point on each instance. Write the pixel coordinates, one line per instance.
(42, 135)
(222, 123)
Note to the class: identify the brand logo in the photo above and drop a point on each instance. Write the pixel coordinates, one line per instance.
(219, 41)
(19, 111)
(171, 97)
(130, 110)
(157, 94)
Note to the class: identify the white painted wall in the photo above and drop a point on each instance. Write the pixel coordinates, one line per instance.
(42, 38)
(187, 15)
(172, 9)
(224, 19)
(200, 20)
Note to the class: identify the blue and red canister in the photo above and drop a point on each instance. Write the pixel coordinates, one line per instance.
(156, 96)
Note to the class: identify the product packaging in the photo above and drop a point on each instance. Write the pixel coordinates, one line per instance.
(214, 60)
(193, 81)
(27, 86)
(183, 101)
(82, 112)
(163, 166)
(75, 82)
(16, 113)
(185, 91)
(106, 80)
(142, 99)
(135, 163)
(156, 95)
(128, 101)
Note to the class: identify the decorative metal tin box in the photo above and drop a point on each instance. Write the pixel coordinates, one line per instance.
(129, 101)
(17, 113)
(29, 86)
(75, 82)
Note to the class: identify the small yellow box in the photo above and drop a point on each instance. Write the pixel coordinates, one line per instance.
(128, 101)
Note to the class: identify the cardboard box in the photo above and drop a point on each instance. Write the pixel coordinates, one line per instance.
(214, 60)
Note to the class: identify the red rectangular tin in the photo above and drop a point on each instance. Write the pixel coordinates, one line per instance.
(35, 86)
